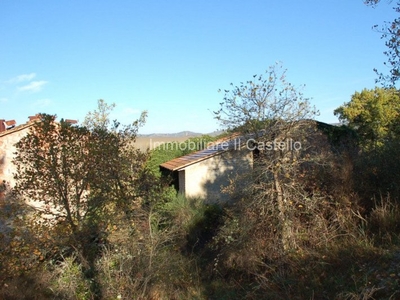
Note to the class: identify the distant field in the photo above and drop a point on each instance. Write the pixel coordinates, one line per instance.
(153, 141)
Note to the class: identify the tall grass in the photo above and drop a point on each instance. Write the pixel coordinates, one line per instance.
(185, 249)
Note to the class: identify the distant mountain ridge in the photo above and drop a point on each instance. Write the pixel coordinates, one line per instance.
(176, 134)
(180, 134)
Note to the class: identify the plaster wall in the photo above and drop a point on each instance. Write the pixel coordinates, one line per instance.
(207, 179)
(8, 139)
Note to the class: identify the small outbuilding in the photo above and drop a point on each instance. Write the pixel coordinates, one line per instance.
(206, 173)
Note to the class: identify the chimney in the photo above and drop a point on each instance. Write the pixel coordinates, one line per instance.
(5, 125)
(10, 124)
(33, 118)
(2, 126)
(71, 121)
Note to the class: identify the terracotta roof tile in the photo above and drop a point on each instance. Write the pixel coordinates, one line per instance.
(192, 158)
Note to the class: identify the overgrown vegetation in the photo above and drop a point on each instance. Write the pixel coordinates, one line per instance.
(171, 150)
(320, 222)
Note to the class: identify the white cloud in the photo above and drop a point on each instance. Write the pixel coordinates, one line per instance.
(42, 103)
(3, 100)
(34, 86)
(21, 78)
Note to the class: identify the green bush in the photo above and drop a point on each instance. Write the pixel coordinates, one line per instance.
(68, 280)
(171, 150)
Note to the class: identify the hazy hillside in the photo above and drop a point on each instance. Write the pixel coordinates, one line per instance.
(151, 140)
(187, 134)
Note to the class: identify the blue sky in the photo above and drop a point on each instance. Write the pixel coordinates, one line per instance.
(170, 57)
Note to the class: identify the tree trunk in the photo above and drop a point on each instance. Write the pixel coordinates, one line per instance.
(284, 223)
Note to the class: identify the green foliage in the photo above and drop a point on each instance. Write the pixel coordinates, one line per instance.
(162, 154)
(75, 172)
(373, 114)
(99, 118)
(171, 150)
(184, 249)
(182, 212)
(144, 260)
(339, 136)
(204, 227)
(79, 177)
(53, 167)
(68, 280)
(136, 239)
(197, 221)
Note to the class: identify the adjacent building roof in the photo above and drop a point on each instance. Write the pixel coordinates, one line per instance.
(8, 127)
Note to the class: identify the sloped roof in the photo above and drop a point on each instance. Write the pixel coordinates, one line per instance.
(184, 161)
(234, 141)
(195, 157)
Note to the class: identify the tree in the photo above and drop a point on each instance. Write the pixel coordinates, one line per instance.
(81, 176)
(120, 165)
(273, 114)
(374, 114)
(375, 117)
(263, 103)
(391, 33)
(76, 171)
(99, 118)
(53, 166)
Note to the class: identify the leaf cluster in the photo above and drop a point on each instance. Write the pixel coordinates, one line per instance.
(75, 172)
(374, 114)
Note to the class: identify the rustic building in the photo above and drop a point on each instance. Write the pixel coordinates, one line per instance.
(10, 134)
(206, 173)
